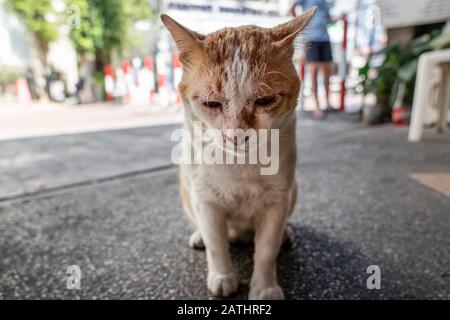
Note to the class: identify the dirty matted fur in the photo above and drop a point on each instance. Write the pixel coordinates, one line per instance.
(240, 78)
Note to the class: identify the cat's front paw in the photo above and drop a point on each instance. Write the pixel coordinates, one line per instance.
(267, 293)
(222, 284)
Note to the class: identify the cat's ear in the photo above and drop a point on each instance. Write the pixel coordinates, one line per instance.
(187, 41)
(285, 33)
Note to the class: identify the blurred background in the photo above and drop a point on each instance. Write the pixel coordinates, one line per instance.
(88, 103)
(116, 56)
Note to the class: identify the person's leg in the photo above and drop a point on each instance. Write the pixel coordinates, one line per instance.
(325, 69)
(314, 68)
(313, 60)
(326, 58)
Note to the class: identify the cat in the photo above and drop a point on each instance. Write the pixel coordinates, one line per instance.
(240, 78)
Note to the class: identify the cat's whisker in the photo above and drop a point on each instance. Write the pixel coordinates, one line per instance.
(265, 85)
(276, 72)
(262, 69)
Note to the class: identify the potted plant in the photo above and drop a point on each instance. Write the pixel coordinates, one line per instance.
(394, 79)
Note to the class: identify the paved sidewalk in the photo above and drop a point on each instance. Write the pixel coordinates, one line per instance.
(35, 164)
(358, 206)
(40, 119)
(53, 119)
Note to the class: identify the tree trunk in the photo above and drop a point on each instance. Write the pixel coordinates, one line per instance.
(38, 66)
(87, 68)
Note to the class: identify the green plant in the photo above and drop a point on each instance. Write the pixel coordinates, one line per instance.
(442, 41)
(104, 31)
(98, 79)
(105, 26)
(399, 65)
(39, 18)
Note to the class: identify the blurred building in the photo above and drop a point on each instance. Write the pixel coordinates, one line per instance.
(18, 53)
(405, 19)
(206, 16)
(13, 37)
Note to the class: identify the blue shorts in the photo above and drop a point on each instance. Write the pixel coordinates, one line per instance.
(319, 52)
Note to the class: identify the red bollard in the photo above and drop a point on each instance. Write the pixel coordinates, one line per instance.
(343, 70)
(177, 75)
(302, 78)
(108, 70)
(302, 68)
(148, 63)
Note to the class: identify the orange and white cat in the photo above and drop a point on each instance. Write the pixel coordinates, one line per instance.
(240, 78)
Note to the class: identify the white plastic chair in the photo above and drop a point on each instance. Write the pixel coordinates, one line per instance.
(432, 93)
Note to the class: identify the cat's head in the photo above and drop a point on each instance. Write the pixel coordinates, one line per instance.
(239, 78)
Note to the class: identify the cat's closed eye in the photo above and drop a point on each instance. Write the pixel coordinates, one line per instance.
(265, 101)
(212, 104)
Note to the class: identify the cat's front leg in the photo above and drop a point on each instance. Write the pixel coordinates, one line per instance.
(222, 277)
(269, 231)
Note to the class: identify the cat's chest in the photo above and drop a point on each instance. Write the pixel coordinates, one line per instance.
(242, 192)
(244, 198)
(240, 189)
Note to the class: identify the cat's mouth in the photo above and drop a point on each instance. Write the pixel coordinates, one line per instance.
(239, 146)
(237, 143)
(235, 140)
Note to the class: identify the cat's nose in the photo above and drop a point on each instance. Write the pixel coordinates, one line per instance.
(235, 139)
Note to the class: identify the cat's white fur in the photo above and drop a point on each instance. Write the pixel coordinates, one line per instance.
(233, 201)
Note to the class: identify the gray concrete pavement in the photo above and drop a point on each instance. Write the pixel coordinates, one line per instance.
(357, 207)
(35, 164)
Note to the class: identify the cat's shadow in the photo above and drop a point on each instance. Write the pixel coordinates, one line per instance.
(315, 266)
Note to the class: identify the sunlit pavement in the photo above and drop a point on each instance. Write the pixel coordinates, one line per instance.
(49, 119)
(108, 202)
